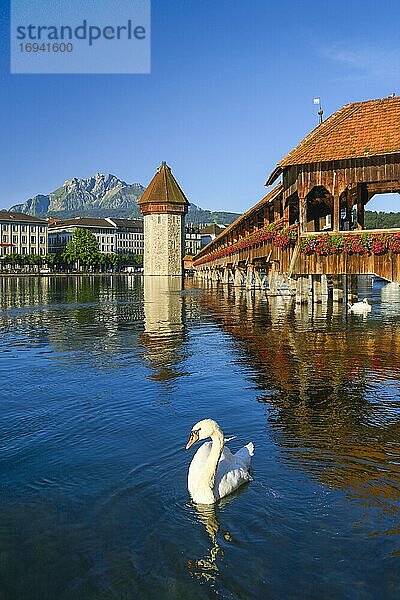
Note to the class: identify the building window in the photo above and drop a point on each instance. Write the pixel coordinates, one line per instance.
(41, 239)
(15, 227)
(33, 239)
(15, 239)
(24, 250)
(5, 238)
(23, 239)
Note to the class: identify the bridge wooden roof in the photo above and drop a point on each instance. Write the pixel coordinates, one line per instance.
(357, 130)
(163, 188)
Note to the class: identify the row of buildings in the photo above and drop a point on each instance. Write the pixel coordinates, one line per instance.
(24, 234)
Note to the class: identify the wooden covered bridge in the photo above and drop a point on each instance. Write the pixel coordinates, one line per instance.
(309, 229)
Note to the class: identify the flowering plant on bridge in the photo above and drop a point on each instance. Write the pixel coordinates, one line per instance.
(354, 243)
(276, 233)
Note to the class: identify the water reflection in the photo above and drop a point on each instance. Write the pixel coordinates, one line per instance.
(164, 332)
(207, 568)
(93, 469)
(331, 386)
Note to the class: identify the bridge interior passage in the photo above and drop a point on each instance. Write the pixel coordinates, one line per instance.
(312, 223)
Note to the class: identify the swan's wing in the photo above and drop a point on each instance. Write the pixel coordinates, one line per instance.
(233, 470)
(243, 456)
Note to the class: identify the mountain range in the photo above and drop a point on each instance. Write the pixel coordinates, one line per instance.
(104, 196)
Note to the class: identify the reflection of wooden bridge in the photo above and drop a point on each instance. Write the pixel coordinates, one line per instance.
(310, 227)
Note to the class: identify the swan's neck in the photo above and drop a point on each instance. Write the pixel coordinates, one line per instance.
(210, 468)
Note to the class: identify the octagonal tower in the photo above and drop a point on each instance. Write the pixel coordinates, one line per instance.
(164, 206)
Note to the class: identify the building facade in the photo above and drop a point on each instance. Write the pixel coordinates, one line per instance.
(192, 239)
(209, 233)
(114, 236)
(22, 234)
(164, 206)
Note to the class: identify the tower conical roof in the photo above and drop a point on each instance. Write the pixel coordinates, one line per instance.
(163, 189)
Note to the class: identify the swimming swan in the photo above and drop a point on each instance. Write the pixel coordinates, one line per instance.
(360, 307)
(214, 471)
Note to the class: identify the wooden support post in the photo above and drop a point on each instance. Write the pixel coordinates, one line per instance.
(348, 211)
(302, 289)
(249, 276)
(238, 278)
(336, 212)
(324, 286)
(303, 215)
(316, 288)
(277, 210)
(286, 214)
(273, 282)
(258, 281)
(337, 288)
(352, 288)
(266, 215)
(362, 198)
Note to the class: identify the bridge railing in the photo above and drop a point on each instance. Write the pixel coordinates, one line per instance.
(271, 239)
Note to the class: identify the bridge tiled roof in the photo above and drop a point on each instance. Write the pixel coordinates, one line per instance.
(163, 188)
(357, 130)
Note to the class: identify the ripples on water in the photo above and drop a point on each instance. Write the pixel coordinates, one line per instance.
(101, 381)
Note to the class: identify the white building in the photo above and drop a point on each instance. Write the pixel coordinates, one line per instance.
(22, 234)
(192, 239)
(114, 236)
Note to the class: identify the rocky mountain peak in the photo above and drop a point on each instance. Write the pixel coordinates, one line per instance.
(102, 195)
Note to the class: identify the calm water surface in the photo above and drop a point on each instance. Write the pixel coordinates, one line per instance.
(101, 381)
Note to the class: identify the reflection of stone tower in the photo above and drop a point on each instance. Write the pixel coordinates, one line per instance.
(164, 206)
(163, 326)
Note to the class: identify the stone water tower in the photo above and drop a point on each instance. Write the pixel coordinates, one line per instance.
(164, 207)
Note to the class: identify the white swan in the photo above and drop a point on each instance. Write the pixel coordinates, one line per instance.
(360, 307)
(214, 471)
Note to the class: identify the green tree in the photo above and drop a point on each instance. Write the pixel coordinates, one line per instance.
(115, 261)
(103, 262)
(139, 260)
(14, 259)
(51, 260)
(34, 260)
(82, 249)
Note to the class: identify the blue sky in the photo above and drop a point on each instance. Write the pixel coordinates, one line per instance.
(229, 94)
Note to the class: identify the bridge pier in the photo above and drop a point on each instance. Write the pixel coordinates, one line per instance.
(302, 289)
(238, 277)
(250, 276)
(273, 282)
(258, 281)
(316, 288)
(352, 288)
(338, 288)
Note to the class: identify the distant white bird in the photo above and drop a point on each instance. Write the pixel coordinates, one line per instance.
(360, 307)
(214, 471)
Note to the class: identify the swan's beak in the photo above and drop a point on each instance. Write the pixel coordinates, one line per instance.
(194, 436)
